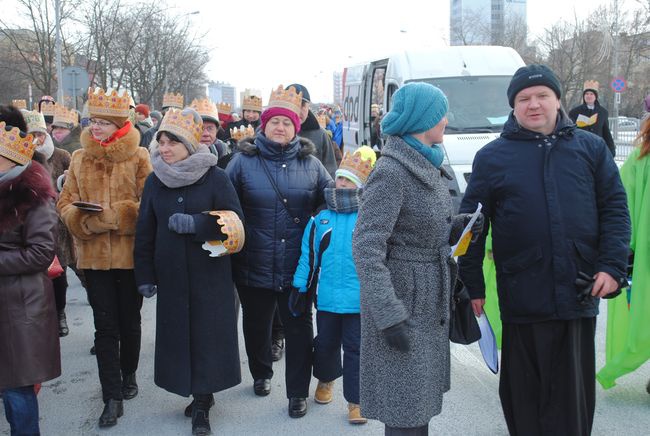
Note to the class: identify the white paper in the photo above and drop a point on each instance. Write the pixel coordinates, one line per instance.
(467, 228)
(488, 343)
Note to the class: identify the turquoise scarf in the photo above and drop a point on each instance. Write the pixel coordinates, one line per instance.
(433, 154)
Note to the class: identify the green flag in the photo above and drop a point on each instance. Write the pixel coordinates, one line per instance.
(491, 297)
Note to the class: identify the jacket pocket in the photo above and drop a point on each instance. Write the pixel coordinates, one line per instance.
(585, 257)
(522, 260)
(520, 277)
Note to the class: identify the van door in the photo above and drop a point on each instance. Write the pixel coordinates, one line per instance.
(373, 100)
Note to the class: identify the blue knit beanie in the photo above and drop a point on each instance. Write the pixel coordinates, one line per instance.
(417, 107)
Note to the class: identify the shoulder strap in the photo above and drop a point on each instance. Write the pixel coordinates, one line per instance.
(281, 197)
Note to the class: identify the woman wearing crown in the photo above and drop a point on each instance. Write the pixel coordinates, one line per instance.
(189, 221)
(280, 184)
(99, 205)
(29, 344)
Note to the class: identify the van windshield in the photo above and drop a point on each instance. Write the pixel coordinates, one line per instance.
(476, 103)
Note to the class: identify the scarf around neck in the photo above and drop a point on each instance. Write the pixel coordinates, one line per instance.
(13, 173)
(186, 172)
(47, 148)
(342, 200)
(433, 154)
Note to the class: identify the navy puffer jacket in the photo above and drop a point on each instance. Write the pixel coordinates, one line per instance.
(273, 236)
(557, 206)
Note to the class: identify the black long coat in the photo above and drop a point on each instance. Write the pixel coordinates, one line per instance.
(196, 328)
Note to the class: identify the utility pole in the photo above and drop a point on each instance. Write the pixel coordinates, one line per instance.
(617, 95)
(57, 42)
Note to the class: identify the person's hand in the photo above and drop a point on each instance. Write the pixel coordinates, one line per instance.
(477, 306)
(297, 301)
(397, 336)
(147, 290)
(477, 227)
(604, 284)
(95, 225)
(182, 223)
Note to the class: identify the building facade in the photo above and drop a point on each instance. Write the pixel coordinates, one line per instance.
(483, 22)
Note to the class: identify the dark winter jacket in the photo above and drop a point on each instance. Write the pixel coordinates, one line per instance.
(310, 129)
(557, 206)
(600, 127)
(72, 142)
(273, 236)
(29, 342)
(196, 326)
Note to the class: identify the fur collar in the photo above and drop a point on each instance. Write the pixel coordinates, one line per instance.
(248, 147)
(122, 149)
(17, 196)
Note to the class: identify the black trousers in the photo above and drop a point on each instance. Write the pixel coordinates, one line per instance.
(278, 328)
(258, 307)
(116, 306)
(60, 285)
(548, 381)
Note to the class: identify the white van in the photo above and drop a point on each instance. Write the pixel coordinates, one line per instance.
(474, 78)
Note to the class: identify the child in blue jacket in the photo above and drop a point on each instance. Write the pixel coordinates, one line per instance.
(326, 264)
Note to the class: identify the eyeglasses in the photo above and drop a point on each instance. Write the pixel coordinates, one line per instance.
(100, 123)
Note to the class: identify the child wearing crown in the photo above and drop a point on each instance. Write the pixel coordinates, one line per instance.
(326, 263)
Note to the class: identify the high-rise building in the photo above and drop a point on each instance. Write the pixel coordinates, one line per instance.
(221, 92)
(482, 22)
(337, 81)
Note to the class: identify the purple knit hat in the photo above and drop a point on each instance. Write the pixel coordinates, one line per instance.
(275, 111)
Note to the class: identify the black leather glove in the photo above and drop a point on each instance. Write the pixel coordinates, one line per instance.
(147, 290)
(182, 223)
(397, 336)
(297, 302)
(477, 227)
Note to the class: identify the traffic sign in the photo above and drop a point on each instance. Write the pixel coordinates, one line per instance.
(75, 82)
(618, 84)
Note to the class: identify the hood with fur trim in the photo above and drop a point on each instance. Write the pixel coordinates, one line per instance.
(17, 196)
(117, 151)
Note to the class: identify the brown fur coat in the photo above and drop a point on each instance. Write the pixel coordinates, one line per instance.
(56, 165)
(114, 177)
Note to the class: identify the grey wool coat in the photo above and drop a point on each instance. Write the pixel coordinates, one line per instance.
(401, 251)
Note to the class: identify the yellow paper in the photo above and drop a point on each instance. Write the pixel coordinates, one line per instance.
(584, 121)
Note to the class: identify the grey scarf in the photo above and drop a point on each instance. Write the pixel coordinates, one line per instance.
(183, 173)
(13, 173)
(342, 200)
(47, 148)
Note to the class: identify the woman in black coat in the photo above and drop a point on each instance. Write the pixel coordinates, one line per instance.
(196, 329)
(280, 184)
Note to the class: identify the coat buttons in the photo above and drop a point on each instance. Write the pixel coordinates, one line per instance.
(180, 199)
(442, 322)
(284, 165)
(285, 200)
(449, 219)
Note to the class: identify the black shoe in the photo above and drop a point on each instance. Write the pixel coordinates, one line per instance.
(262, 387)
(113, 409)
(297, 407)
(201, 422)
(63, 324)
(92, 350)
(277, 347)
(188, 409)
(129, 387)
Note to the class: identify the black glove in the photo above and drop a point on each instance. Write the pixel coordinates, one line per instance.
(297, 302)
(148, 290)
(477, 227)
(182, 223)
(397, 336)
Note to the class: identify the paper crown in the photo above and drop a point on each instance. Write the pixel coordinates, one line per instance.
(242, 132)
(286, 98)
(232, 227)
(19, 103)
(182, 126)
(173, 100)
(252, 103)
(322, 120)
(64, 117)
(357, 166)
(224, 108)
(590, 84)
(111, 105)
(15, 147)
(47, 107)
(206, 109)
(35, 121)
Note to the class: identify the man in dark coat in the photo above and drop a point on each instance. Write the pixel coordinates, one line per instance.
(558, 211)
(591, 116)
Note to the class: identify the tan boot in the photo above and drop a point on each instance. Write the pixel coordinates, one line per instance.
(354, 414)
(323, 394)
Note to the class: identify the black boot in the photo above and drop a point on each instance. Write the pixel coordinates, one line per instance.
(297, 407)
(63, 324)
(113, 409)
(188, 409)
(277, 347)
(201, 415)
(92, 350)
(129, 386)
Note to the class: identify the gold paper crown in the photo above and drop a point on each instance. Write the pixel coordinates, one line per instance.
(286, 98)
(231, 226)
(242, 132)
(322, 120)
(252, 103)
(206, 109)
(64, 117)
(173, 100)
(19, 103)
(47, 108)
(182, 126)
(14, 147)
(224, 108)
(35, 121)
(110, 105)
(590, 84)
(357, 166)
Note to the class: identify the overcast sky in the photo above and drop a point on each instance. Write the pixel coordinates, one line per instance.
(263, 43)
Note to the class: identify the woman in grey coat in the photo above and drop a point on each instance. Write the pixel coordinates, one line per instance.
(401, 251)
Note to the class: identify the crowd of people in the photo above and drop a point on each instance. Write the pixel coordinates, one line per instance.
(265, 214)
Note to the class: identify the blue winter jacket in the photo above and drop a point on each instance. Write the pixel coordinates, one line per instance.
(330, 233)
(557, 206)
(273, 236)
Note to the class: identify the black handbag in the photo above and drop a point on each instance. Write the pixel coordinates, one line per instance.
(463, 328)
